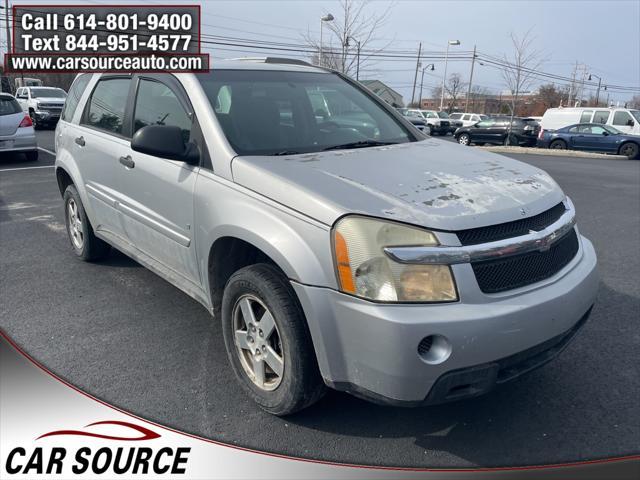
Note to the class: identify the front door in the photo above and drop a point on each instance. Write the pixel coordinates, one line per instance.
(157, 194)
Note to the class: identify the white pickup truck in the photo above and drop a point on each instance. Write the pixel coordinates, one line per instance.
(43, 104)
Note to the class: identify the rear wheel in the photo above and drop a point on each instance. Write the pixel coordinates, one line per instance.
(630, 150)
(83, 241)
(558, 145)
(267, 341)
(464, 139)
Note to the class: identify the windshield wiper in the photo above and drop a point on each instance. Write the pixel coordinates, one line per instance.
(285, 152)
(360, 144)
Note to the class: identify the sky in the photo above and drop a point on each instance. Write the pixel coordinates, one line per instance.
(604, 35)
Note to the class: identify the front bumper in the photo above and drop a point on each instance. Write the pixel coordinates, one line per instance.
(46, 116)
(371, 349)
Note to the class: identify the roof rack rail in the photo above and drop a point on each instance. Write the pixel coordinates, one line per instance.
(281, 60)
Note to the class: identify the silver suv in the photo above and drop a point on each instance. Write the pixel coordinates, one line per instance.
(337, 246)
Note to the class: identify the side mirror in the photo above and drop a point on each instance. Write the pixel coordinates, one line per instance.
(630, 123)
(165, 141)
(605, 133)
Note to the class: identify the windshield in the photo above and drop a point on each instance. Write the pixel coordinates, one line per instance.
(636, 114)
(443, 114)
(48, 93)
(611, 130)
(9, 106)
(279, 112)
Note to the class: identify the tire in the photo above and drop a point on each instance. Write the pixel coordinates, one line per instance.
(31, 156)
(464, 139)
(83, 241)
(558, 145)
(510, 141)
(630, 150)
(267, 291)
(34, 120)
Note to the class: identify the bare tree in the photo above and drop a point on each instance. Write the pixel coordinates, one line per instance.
(453, 88)
(549, 95)
(518, 70)
(353, 28)
(634, 102)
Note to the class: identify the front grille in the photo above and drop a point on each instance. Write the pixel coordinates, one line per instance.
(474, 236)
(516, 271)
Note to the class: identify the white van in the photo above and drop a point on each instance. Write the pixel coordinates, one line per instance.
(623, 119)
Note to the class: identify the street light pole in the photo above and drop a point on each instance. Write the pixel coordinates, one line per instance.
(444, 76)
(422, 80)
(327, 18)
(473, 61)
(599, 85)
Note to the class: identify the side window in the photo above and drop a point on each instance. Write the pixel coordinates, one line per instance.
(467, 117)
(573, 129)
(486, 123)
(622, 118)
(586, 116)
(107, 105)
(223, 100)
(601, 116)
(73, 98)
(597, 130)
(156, 104)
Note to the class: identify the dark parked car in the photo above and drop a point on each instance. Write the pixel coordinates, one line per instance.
(494, 131)
(591, 137)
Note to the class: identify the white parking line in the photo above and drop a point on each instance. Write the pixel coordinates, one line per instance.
(24, 168)
(47, 151)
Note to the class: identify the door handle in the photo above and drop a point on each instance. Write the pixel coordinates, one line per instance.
(80, 141)
(127, 161)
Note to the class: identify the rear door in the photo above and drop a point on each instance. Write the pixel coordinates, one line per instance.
(481, 132)
(97, 143)
(157, 193)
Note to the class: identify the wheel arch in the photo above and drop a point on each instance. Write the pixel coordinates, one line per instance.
(627, 142)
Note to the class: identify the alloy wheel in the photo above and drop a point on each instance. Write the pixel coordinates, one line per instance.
(75, 224)
(258, 343)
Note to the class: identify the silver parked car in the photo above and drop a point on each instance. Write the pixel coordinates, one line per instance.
(16, 129)
(343, 250)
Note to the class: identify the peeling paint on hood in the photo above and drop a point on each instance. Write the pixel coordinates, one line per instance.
(432, 183)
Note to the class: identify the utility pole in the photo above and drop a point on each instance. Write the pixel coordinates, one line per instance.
(584, 76)
(473, 61)
(573, 81)
(415, 77)
(7, 25)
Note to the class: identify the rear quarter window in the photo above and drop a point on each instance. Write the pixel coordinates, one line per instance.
(9, 106)
(75, 94)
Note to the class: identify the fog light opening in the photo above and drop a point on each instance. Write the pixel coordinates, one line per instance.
(434, 349)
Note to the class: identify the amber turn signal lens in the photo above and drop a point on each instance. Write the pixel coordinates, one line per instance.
(344, 267)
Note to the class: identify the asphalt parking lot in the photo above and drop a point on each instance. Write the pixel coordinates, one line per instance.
(121, 333)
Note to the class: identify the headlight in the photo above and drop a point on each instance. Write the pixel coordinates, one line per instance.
(363, 269)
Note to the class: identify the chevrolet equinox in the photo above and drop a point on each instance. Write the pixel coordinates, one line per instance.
(336, 245)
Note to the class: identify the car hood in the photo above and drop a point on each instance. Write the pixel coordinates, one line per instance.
(432, 183)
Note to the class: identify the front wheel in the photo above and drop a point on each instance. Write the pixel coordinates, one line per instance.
(463, 139)
(630, 150)
(34, 120)
(268, 342)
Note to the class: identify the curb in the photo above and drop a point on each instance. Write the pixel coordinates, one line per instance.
(553, 153)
